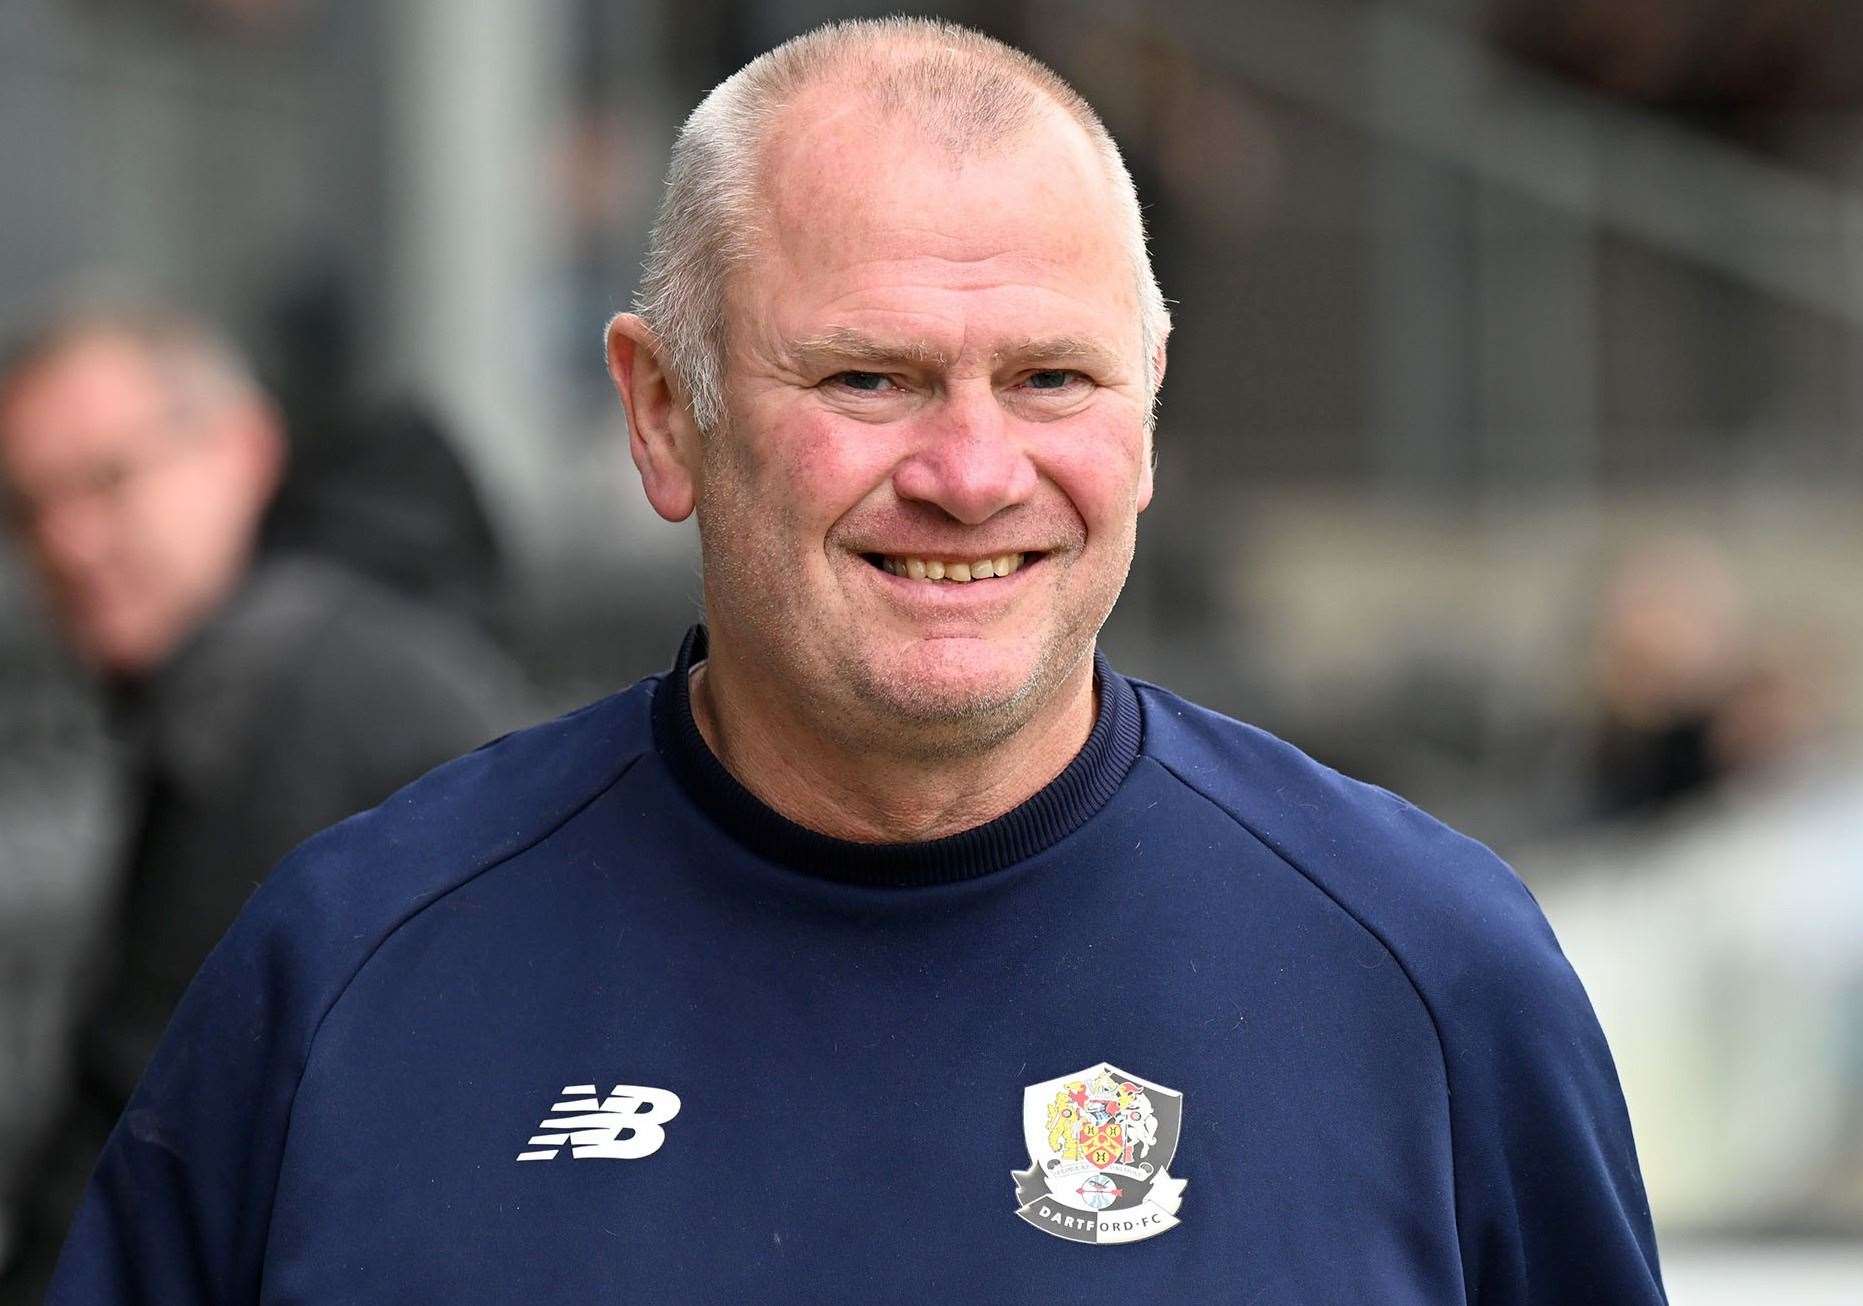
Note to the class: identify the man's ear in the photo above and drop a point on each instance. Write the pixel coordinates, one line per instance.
(661, 434)
(254, 449)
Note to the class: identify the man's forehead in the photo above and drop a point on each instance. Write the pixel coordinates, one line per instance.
(94, 363)
(841, 187)
(839, 155)
(93, 389)
(862, 220)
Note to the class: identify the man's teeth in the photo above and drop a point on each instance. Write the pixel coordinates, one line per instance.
(960, 571)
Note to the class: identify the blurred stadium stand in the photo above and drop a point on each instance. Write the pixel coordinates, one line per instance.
(1475, 300)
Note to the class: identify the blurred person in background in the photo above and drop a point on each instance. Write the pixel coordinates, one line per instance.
(755, 981)
(264, 686)
(1690, 694)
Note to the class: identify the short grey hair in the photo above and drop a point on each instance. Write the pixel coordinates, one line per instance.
(201, 368)
(965, 88)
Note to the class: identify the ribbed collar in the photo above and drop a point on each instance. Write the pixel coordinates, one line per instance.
(1062, 807)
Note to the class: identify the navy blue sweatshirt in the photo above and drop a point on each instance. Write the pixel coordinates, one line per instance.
(576, 1018)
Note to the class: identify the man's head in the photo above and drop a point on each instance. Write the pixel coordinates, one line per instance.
(898, 318)
(965, 92)
(137, 456)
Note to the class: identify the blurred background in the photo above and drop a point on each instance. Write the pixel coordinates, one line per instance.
(1510, 455)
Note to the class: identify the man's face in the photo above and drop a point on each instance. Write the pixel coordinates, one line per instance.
(136, 526)
(930, 361)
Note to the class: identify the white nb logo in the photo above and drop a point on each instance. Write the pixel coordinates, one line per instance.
(624, 1126)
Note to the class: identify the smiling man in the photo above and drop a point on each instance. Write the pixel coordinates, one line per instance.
(891, 946)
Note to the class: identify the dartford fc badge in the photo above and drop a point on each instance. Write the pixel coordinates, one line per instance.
(1100, 1140)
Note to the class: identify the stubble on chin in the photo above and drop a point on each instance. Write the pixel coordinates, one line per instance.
(937, 718)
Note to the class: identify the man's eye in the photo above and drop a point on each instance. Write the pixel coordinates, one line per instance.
(1053, 378)
(109, 477)
(869, 382)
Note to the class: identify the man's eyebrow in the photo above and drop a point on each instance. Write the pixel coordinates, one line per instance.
(846, 345)
(1058, 349)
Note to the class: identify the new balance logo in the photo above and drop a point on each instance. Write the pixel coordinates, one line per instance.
(624, 1126)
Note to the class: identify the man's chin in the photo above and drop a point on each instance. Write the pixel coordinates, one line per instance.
(119, 650)
(953, 689)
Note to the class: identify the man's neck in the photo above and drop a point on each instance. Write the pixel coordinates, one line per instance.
(881, 795)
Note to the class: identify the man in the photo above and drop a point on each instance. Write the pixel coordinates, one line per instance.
(261, 697)
(759, 980)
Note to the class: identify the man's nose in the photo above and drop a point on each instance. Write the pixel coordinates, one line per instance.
(969, 461)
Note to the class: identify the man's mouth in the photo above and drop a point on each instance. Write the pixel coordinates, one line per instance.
(957, 571)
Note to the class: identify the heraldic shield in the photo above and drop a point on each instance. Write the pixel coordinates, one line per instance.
(1100, 1140)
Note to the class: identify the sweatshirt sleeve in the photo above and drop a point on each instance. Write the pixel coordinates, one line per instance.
(1550, 1208)
(1550, 1200)
(180, 1200)
(179, 1207)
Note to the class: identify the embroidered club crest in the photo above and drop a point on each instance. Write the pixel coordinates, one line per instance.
(1099, 1141)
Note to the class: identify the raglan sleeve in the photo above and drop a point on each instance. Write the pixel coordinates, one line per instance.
(180, 1199)
(1550, 1201)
